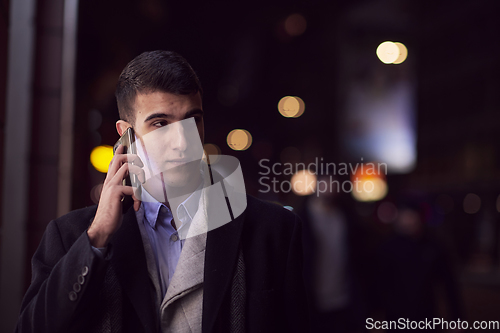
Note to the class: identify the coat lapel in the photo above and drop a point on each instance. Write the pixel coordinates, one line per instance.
(129, 261)
(182, 307)
(220, 260)
(218, 249)
(189, 271)
(181, 310)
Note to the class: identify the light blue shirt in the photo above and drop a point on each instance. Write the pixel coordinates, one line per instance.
(164, 239)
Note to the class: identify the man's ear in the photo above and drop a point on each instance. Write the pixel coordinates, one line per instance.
(121, 126)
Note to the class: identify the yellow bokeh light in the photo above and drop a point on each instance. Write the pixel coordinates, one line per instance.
(388, 52)
(302, 107)
(100, 157)
(239, 139)
(368, 184)
(303, 182)
(370, 189)
(213, 151)
(291, 106)
(403, 53)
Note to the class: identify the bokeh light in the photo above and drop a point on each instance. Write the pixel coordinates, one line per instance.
(388, 52)
(370, 189)
(392, 52)
(295, 25)
(100, 157)
(367, 185)
(303, 182)
(472, 203)
(403, 53)
(291, 106)
(213, 151)
(239, 139)
(387, 212)
(95, 193)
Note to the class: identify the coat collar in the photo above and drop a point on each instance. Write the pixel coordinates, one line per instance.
(220, 261)
(129, 261)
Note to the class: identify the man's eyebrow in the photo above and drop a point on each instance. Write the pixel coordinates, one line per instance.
(162, 115)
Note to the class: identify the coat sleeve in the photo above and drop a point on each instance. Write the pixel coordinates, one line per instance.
(64, 282)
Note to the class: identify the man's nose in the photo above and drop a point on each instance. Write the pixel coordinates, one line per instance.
(179, 140)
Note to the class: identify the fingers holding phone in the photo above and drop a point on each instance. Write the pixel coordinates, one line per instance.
(123, 167)
(121, 159)
(109, 213)
(127, 169)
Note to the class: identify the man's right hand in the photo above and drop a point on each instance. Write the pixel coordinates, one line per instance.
(108, 218)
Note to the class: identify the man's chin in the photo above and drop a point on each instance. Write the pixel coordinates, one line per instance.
(174, 178)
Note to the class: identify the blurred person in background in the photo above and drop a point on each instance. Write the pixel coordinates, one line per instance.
(98, 270)
(333, 244)
(414, 266)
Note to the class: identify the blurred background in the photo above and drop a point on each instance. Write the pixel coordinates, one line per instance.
(299, 81)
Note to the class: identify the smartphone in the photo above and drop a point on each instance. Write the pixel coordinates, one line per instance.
(127, 138)
(128, 142)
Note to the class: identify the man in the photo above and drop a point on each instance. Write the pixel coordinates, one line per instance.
(98, 270)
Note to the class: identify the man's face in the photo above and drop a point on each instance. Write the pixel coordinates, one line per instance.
(170, 129)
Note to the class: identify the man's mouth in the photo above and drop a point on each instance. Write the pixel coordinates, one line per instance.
(176, 162)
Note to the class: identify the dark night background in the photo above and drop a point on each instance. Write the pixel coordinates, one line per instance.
(247, 62)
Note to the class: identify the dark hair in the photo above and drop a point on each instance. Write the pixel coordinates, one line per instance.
(164, 71)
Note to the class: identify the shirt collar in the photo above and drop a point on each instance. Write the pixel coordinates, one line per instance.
(152, 208)
(188, 208)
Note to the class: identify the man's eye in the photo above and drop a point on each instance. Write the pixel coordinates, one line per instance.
(160, 123)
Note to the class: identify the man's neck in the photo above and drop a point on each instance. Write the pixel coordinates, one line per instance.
(171, 196)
